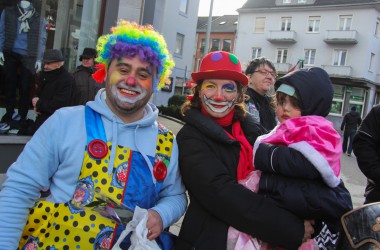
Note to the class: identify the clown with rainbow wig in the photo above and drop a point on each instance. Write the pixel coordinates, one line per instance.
(111, 169)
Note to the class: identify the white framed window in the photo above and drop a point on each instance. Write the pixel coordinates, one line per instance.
(256, 52)
(338, 100)
(313, 24)
(226, 45)
(345, 22)
(183, 5)
(372, 62)
(309, 56)
(179, 44)
(215, 44)
(259, 25)
(340, 57)
(282, 55)
(286, 23)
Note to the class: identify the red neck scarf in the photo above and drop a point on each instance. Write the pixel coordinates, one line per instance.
(245, 165)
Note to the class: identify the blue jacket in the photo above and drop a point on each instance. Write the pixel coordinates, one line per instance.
(52, 159)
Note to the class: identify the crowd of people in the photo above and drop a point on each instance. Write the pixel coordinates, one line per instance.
(257, 157)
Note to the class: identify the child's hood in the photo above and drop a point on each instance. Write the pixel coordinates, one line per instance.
(314, 90)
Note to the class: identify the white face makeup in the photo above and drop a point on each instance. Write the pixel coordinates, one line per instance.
(218, 96)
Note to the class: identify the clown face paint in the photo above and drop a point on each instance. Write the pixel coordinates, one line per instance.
(218, 96)
(129, 87)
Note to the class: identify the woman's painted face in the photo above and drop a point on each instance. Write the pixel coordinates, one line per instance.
(218, 96)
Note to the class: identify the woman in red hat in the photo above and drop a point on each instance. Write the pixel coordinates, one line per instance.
(215, 150)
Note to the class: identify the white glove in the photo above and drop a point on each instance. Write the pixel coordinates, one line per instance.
(38, 66)
(1, 59)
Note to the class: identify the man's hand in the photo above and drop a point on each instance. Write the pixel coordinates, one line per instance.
(38, 66)
(154, 225)
(309, 230)
(2, 60)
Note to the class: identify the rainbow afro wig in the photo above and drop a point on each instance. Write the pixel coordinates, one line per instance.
(130, 39)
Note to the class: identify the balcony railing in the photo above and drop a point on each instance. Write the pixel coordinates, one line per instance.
(341, 36)
(279, 36)
(282, 68)
(333, 70)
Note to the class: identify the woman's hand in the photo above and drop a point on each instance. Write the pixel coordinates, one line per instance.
(309, 229)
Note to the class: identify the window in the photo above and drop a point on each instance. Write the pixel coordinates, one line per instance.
(286, 23)
(377, 99)
(309, 56)
(179, 44)
(286, 1)
(338, 99)
(256, 52)
(179, 85)
(183, 6)
(301, 1)
(259, 25)
(215, 44)
(372, 62)
(314, 22)
(340, 57)
(357, 99)
(202, 45)
(282, 55)
(345, 22)
(226, 45)
(377, 31)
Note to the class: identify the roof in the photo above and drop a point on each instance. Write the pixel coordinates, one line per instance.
(219, 24)
(258, 4)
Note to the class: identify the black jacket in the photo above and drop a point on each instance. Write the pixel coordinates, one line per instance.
(86, 87)
(262, 108)
(208, 161)
(351, 121)
(366, 147)
(55, 91)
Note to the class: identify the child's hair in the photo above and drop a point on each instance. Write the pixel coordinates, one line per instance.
(280, 99)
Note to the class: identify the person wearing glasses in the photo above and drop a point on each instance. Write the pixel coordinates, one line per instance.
(261, 75)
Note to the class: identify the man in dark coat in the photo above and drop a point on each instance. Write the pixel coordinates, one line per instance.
(85, 86)
(350, 124)
(55, 89)
(366, 147)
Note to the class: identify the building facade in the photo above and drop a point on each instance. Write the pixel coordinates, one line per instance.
(341, 36)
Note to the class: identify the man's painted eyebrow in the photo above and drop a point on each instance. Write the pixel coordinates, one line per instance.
(145, 69)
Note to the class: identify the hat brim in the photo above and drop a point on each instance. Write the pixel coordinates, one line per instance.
(220, 74)
(51, 61)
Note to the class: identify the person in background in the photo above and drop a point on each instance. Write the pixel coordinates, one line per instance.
(104, 148)
(215, 150)
(350, 124)
(366, 146)
(85, 86)
(261, 75)
(309, 188)
(55, 87)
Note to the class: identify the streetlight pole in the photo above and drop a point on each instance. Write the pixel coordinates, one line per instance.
(205, 49)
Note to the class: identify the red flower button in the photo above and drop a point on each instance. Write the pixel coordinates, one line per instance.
(97, 149)
(159, 170)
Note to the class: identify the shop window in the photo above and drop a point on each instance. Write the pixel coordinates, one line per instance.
(338, 100)
(357, 99)
(226, 45)
(215, 44)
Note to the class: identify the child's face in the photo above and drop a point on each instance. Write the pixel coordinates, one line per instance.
(285, 109)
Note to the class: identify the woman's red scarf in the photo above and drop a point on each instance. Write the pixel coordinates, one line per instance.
(245, 165)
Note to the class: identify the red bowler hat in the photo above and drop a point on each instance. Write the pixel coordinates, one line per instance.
(220, 65)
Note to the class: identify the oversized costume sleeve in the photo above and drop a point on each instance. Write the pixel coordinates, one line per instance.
(366, 145)
(209, 182)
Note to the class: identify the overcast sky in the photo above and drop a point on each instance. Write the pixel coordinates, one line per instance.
(220, 7)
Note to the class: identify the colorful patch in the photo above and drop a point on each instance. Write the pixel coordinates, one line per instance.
(31, 244)
(120, 175)
(104, 239)
(83, 195)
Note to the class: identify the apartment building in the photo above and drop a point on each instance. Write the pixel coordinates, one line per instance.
(341, 36)
(222, 35)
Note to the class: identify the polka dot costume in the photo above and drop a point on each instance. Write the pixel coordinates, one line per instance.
(69, 226)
